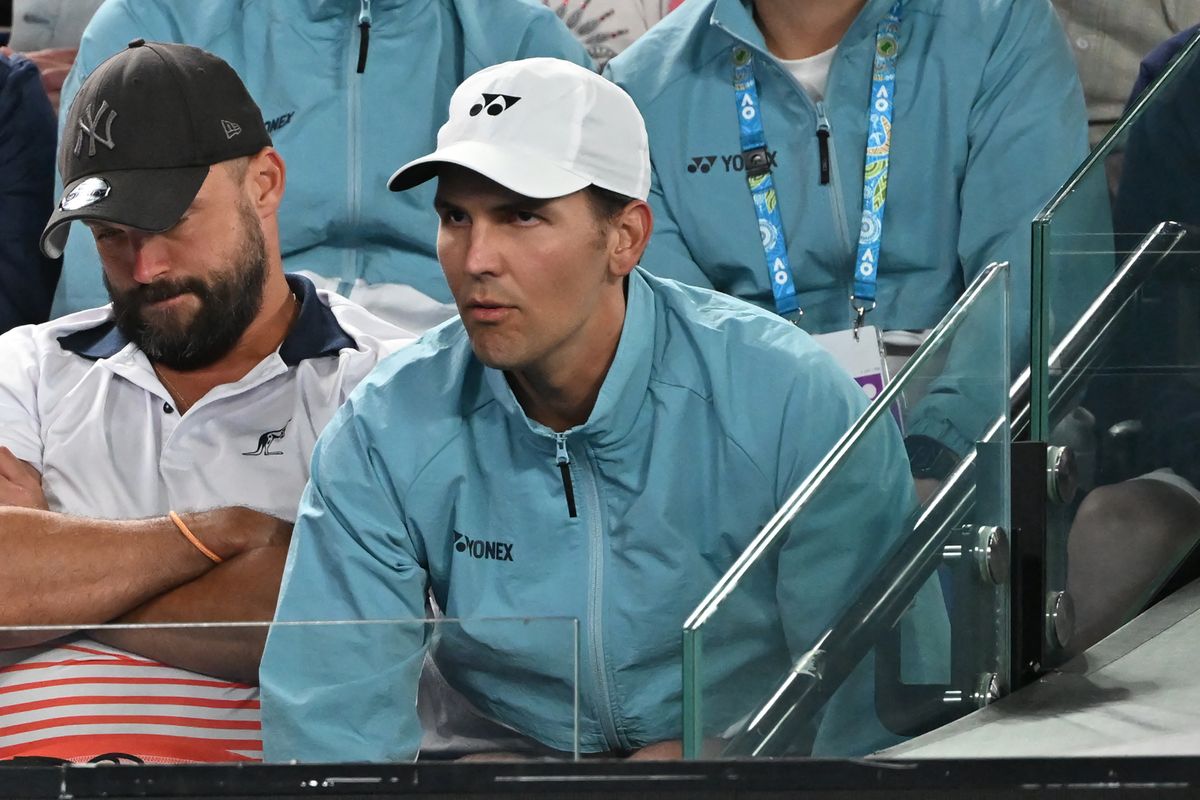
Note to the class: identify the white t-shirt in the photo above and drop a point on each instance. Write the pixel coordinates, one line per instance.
(811, 73)
(85, 408)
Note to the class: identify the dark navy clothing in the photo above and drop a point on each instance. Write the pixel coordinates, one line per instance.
(1160, 57)
(27, 145)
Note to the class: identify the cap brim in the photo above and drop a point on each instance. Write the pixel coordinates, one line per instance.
(524, 173)
(147, 199)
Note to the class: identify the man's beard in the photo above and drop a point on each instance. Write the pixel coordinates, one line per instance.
(229, 302)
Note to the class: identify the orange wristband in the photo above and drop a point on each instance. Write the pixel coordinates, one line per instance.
(191, 537)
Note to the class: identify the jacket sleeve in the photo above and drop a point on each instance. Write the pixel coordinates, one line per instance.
(497, 32)
(346, 692)
(668, 255)
(27, 144)
(1027, 134)
(115, 24)
(837, 545)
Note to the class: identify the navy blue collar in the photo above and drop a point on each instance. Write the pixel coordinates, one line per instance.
(316, 332)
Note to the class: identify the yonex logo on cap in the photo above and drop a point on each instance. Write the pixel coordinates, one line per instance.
(231, 129)
(494, 104)
(478, 548)
(90, 123)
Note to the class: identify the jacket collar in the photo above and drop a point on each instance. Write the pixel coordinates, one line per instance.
(624, 389)
(316, 332)
(736, 17)
(327, 9)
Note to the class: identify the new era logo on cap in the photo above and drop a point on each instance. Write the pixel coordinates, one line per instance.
(231, 129)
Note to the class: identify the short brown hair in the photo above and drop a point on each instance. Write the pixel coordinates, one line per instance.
(606, 204)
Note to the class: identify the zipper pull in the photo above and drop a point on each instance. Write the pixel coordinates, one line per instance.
(823, 142)
(563, 459)
(364, 35)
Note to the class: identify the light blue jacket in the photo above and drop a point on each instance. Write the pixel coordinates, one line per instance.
(989, 122)
(711, 414)
(341, 133)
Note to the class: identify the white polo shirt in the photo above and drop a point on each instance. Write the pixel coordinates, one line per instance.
(84, 406)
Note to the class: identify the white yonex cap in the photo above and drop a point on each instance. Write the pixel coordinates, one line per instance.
(541, 127)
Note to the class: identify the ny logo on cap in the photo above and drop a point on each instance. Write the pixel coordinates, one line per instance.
(90, 125)
(231, 129)
(495, 104)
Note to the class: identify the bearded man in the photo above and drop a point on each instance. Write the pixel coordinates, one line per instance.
(153, 451)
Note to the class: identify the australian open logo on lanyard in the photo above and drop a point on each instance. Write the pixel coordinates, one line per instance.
(875, 173)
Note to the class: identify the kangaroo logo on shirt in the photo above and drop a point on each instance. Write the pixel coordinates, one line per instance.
(267, 439)
(478, 548)
(494, 104)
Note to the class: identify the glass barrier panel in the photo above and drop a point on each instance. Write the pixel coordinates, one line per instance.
(1115, 364)
(375, 691)
(797, 651)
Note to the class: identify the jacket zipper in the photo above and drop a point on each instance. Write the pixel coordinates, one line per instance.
(595, 622)
(823, 148)
(350, 265)
(563, 459)
(839, 212)
(364, 35)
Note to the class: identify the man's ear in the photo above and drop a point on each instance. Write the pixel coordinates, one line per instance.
(629, 233)
(266, 177)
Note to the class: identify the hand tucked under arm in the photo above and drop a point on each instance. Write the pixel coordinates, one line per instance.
(63, 570)
(20, 483)
(243, 589)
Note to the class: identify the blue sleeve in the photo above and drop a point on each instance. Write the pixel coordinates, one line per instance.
(506, 31)
(335, 693)
(839, 540)
(27, 147)
(668, 255)
(1027, 134)
(548, 36)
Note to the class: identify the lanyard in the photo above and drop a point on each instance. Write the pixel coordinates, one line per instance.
(875, 172)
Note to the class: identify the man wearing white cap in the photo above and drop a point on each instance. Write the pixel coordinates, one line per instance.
(586, 442)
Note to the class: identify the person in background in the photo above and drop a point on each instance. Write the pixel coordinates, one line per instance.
(27, 138)
(854, 162)
(136, 438)
(1109, 39)
(346, 86)
(606, 27)
(586, 441)
(47, 32)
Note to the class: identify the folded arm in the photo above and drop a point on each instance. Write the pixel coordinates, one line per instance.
(64, 570)
(243, 589)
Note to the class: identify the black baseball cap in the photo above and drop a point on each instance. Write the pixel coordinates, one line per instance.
(141, 134)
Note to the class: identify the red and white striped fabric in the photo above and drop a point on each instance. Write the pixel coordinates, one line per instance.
(82, 699)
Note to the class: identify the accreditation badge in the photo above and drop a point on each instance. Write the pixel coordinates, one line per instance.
(861, 356)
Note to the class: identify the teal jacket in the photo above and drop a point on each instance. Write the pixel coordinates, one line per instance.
(989, 122)
(431, 476)
(341, 133)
